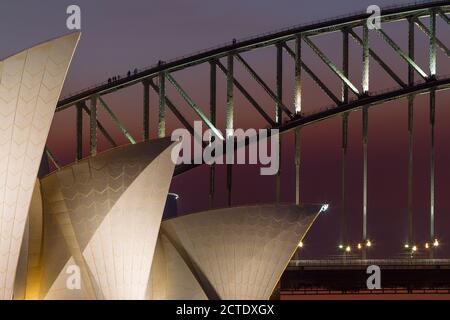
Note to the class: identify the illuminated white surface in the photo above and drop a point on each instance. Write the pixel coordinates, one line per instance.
(106, 210)
(230, 253)
(30, 85)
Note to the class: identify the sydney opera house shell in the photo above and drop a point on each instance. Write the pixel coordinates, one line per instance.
(101, 218)
(30, 85)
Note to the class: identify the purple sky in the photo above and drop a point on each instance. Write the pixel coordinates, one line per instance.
(118, 36)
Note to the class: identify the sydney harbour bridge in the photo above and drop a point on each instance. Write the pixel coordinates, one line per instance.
(358, 94)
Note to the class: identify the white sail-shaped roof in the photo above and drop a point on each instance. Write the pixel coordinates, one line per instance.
(30, 85)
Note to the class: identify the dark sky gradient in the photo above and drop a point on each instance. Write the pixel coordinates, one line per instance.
(118, 36)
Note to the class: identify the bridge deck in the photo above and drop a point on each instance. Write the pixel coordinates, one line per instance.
(350, 276)
(359, 264)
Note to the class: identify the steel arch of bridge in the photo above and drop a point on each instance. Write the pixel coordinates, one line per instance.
(291, 40)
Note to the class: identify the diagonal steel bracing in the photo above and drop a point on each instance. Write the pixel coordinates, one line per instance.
(331, 65)
(52, 158)
(117, 122)
(100, 127)
(313, 76)
(174, 109)
(248, 96)
(261, 82)
(444, 17)
(427, 31)
(379, 60)
(194, 106)
(402, 54)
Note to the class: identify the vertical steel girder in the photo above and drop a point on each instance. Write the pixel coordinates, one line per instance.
(365, 119)
(432, 67)
(298, 74)
(279, 85)
(174, 109)
(162, 105)
(410, 168)
(331, 65)
(213, 92)
(278, 112)
(313, 76)
(439, 43)
(261, 82)
(344, 235)
(411, 53)
(297, 166)
(230, 101)
(229, 117)
(117, 122)
(365, 66)
(146, 111)
(79, 133)
(432, 39)
(345, 64)
(345, 70)
(377, 58)
(248, 96)
(402, 54)
(93, 127)
(298, 109)
(432, 164)
(193, 105)
(100, 126)
(212, 116)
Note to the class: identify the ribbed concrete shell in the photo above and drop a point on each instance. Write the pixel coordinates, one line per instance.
(230, 253)
(30, 85)
(103, 214)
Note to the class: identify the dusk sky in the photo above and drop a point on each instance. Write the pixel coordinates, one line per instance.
(118, 36)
